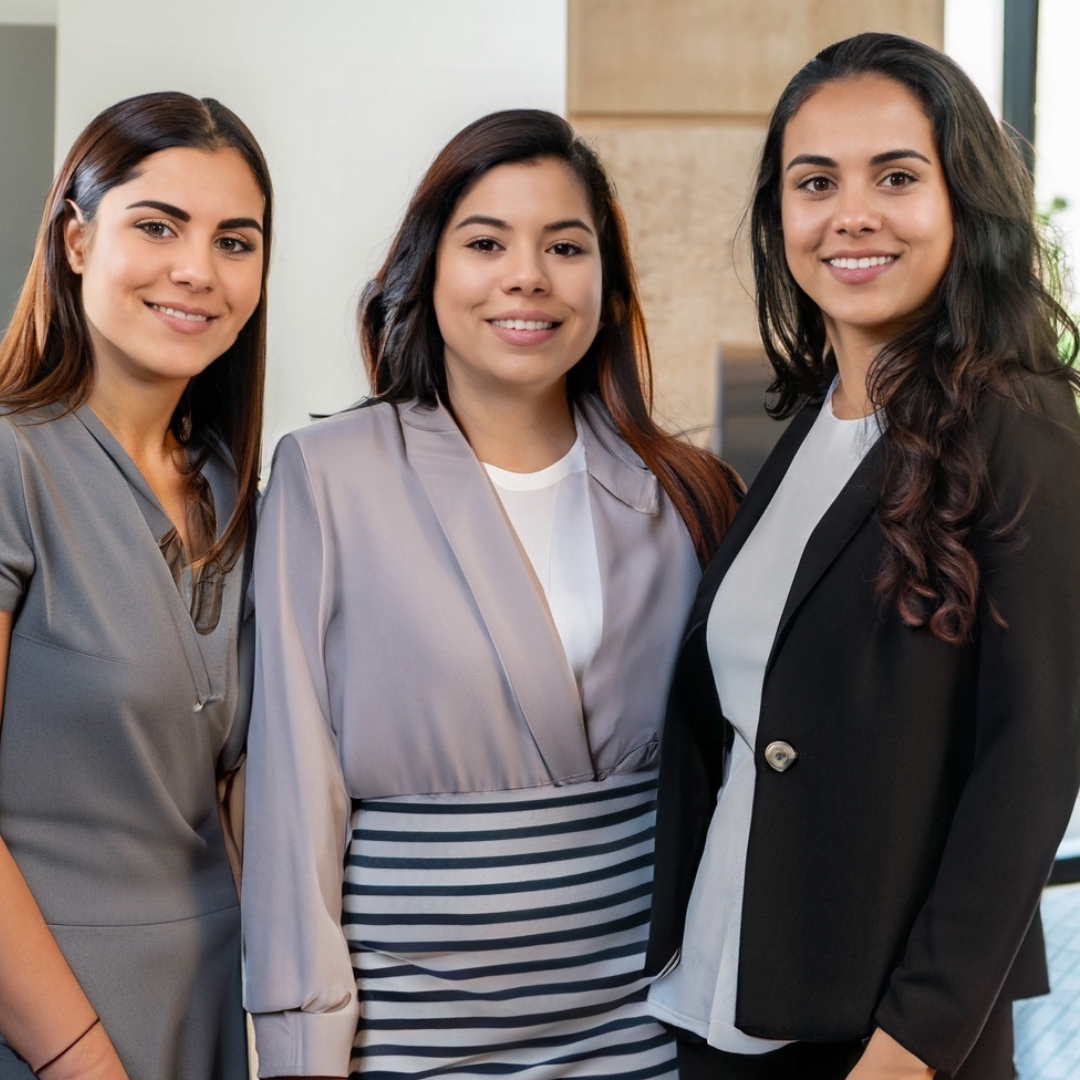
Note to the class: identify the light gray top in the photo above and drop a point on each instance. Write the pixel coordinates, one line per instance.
(699, 994)
(405, 647)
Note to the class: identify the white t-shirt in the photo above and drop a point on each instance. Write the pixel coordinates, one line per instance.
(699, 994)
(549, 510)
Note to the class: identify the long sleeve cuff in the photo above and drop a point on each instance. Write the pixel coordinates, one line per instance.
(298, 1043)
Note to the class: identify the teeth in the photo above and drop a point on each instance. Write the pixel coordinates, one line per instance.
(862, 264)
(180, 314)
(521, 324)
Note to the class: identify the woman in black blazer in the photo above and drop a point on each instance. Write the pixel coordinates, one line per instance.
(873, 739)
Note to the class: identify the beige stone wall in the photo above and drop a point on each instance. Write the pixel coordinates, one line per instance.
(676, 95)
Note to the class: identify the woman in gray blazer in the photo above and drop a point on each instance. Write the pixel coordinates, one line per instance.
(468, 592)
(873, 738)
(130, 408)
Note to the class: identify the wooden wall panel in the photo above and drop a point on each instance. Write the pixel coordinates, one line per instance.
(714, 57)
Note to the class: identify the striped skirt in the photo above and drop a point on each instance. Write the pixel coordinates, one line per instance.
(503, 934)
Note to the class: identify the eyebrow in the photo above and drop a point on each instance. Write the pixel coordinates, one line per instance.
(498, 223)
(878, 159)
(183, 215)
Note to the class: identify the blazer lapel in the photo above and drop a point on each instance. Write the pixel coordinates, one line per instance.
(753, 506)
(506, 592)
(856, 501)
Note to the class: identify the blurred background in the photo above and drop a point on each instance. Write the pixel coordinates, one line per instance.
(352, 98)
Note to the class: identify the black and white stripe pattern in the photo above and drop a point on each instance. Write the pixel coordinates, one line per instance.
(502, 934)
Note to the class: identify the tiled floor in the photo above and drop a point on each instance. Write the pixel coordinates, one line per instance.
(1048, 1028)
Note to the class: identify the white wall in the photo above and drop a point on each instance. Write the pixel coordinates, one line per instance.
(28, 12)
(350, 100)
(975, 39)
(1057, 170)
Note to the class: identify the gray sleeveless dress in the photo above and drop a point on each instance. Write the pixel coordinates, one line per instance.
(118, 717)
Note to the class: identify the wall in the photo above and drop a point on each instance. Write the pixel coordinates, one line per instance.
(677, 94)
(27, 79)
(350, 99)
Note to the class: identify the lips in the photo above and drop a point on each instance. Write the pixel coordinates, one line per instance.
(188, 321)
(181, 313)
(523, 324)
(863, 262)
(853, 269)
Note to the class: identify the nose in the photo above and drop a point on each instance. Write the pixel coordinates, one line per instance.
(855, 212)
(524, 272)
(193, 267)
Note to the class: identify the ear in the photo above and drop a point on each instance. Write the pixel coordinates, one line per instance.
(75, 237)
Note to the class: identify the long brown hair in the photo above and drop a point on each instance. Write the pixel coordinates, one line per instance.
(46, 355)
(994, 315)
(403, 348)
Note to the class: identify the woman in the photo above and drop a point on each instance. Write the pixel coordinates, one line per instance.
(872, 740)
(130, 463)
(468, 594)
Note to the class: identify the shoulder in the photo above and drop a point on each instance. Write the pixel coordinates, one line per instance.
(355, 434)
(51, 432)
(1031, 420)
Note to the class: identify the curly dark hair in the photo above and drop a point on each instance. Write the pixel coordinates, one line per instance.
(994, 315)
(404, 351)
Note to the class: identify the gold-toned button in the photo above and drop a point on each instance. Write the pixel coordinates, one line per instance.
(780, 755)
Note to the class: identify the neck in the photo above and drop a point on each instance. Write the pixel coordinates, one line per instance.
(519, 433)
(855, 361)
(139, 417)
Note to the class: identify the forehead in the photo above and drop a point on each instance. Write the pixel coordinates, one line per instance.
(858, 118)
(215, 181)
(544, 188)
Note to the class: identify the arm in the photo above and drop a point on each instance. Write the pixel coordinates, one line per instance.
(1022, 780)
(44, 1014)
(885, 1059)
(300, 986)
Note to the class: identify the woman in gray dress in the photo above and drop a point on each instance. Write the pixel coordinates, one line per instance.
(131, 386)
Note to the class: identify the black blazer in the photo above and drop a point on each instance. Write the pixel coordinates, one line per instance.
(894, 870)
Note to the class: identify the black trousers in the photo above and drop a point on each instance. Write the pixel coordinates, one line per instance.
(990, 1059)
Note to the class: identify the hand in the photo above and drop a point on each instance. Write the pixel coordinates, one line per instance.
(885, 1059)
(92, 1057)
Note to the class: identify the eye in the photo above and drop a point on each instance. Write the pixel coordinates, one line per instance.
(566, 249)
(234, 245)
(158, 230)
(484, 244)
(815, 185)
(899, 179)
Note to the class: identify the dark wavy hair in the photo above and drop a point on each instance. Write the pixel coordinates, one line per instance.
(403, 348)
(46, 355)
(994, 315)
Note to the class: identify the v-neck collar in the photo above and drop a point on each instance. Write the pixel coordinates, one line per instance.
(506, 591)
(158, 524)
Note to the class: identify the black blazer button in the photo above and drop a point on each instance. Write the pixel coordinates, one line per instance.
(780, 755)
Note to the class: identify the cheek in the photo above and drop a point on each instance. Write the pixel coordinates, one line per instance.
(248, 291)
(451, 289)
(596, 304)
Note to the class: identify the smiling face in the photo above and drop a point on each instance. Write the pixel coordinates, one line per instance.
(171, 266)
(518, 284)
(867, 218)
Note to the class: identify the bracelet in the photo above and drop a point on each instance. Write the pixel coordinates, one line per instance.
(53, 1060)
